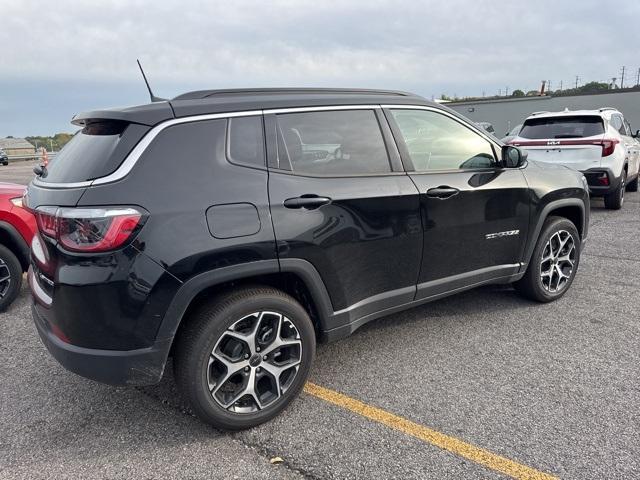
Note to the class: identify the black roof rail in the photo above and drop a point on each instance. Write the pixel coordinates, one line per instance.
(201, 94)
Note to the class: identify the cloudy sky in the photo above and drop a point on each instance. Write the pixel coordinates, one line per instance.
(59, 58)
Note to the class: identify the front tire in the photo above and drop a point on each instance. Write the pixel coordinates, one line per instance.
(244, 356)
(615, 199)
(554, 262)
(10, 277)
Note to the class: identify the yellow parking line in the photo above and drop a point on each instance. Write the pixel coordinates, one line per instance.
(446, 442)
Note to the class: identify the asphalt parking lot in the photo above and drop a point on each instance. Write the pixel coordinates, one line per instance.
(552, 389)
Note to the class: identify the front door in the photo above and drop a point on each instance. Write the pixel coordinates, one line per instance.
(475, 214)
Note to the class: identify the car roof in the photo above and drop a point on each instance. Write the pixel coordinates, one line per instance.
(602, 112)
(203, 102)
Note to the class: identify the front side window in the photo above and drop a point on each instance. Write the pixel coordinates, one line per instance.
(437, 142)
(341, 142)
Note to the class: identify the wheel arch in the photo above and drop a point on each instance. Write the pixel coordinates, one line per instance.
(572, 209)
(295, 277)
(11, 238)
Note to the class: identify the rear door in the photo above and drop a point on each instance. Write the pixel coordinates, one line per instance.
(573, 141)
(341, 201)
(475, 214)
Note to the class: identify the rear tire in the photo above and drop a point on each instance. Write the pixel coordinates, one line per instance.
(554, 262)
(225, 362)
(633, 185)
(615, 199)
(10, 277)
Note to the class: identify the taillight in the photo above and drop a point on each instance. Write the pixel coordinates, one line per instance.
(608, 146)
(89, 229)
(46, 220)
(603, 179)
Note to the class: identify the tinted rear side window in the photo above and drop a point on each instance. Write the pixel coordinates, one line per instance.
(562, 127)
(95, 151)
(343, 142)
(246, 141)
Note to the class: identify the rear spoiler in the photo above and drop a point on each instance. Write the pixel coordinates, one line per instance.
(150, 114)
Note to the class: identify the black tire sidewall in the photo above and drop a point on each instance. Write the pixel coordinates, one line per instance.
(615, 199)
(551, 227)
(15, 270)
(203, 403)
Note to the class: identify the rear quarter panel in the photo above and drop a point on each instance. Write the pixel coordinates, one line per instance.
(182, 174)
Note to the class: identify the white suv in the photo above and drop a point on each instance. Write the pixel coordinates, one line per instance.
(599, 143)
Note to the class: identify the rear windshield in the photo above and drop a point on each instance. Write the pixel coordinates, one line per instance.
(93, 152)
(562, 127)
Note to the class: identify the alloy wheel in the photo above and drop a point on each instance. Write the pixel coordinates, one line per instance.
(254, 362)
(5, 278)
(558, 261)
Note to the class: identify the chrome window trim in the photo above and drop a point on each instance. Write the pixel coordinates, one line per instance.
(132, 158)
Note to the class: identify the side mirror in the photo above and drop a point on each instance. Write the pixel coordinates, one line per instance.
(513, 157)
(636, 135)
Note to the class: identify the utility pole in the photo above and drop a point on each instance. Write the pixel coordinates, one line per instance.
(506, 91)
(560, 85)
(549, 86)
(577, 80)
(622, 77)
(638, 78)
(499, 92)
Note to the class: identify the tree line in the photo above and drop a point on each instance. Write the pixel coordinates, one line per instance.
(52, 143)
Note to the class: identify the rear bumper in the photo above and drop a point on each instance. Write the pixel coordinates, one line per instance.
(144, 366)
(595, 186)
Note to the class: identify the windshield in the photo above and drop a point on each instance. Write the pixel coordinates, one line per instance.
(562, 127)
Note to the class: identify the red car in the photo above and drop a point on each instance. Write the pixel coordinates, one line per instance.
(17, 227)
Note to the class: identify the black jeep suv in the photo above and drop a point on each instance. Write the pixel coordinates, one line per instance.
(231, 230)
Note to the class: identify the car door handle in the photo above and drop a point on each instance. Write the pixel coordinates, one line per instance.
(308, 201)
(442, 192)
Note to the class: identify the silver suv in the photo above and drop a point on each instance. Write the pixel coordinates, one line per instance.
(599, 143)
